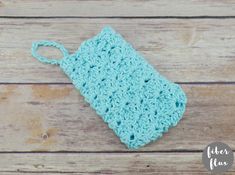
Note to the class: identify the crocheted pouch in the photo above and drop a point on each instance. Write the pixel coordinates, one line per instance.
(134, 100)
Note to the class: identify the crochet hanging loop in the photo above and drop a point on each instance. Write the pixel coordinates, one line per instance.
(46, 43)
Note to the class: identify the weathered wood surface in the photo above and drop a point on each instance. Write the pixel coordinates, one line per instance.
(119, 8)
(56, 118)
(202, 49)
(105, 163)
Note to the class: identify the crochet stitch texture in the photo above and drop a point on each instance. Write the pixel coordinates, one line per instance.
(134, 100)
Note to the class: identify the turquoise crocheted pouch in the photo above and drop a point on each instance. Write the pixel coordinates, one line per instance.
(134, 100)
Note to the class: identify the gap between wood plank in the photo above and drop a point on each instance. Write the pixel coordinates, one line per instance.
(99, 152)
(64, 83)
(119, 17)
(77, 172)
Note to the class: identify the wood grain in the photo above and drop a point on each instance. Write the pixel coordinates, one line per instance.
(47, 128)
(55, 118)
(184, 50)
(105, 163)
(119, 8)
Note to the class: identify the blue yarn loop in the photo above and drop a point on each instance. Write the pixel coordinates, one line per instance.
(46, 43)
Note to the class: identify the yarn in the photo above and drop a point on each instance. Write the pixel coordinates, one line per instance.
(136, 102)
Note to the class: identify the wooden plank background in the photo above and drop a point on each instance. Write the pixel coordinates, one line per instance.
(202, 49)
(117, 8)
(96, 163)
(47, 128)
(55, 118)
